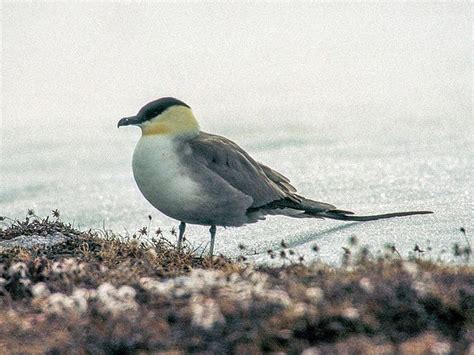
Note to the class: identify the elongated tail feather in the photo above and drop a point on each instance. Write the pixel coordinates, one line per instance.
(344, 217)
(313, 209)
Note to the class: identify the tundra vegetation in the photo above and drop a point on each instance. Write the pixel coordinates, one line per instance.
(99, 292)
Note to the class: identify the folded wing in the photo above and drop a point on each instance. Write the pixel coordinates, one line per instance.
(268, 188)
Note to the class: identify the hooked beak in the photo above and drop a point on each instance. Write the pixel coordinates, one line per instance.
(127, 121)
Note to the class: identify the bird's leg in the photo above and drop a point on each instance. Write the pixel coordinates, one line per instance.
(213, 236)
(182, 227)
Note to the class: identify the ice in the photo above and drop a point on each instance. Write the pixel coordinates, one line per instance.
(367, 107)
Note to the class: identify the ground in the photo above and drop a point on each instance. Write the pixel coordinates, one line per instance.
(94, 292)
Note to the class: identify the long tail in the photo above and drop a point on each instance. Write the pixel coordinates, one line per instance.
(310, 208)
(340, 215)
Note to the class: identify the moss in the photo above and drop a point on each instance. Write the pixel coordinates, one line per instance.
(99, 293)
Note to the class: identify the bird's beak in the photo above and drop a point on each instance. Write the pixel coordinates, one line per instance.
(127, 121)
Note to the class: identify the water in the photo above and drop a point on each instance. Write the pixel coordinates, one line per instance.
(369, 110)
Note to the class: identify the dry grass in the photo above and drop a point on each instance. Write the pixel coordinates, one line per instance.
(96, 294)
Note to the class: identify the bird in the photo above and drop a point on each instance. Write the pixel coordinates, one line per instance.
(206, 179)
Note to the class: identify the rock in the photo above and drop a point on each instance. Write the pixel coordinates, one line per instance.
(34, 241)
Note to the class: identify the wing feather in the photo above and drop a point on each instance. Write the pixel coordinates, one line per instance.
(240, 170)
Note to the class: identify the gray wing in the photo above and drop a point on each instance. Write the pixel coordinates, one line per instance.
(240, 170)
(301, 203)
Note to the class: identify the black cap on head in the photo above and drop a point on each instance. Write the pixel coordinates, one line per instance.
(151, 110)
(154, 108)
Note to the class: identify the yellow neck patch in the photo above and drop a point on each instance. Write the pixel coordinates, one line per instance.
(174, 121)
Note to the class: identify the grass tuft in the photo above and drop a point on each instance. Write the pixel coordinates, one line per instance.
(99, 292)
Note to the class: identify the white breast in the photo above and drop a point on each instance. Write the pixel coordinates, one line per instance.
(161, 178)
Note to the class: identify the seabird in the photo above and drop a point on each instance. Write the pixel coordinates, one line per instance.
(202, 178)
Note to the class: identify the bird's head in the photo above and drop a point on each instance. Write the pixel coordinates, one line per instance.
(165, 116)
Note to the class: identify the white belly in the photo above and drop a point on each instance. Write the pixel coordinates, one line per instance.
(161, 178)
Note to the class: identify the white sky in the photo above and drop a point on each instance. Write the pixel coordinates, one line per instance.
(72, 63)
